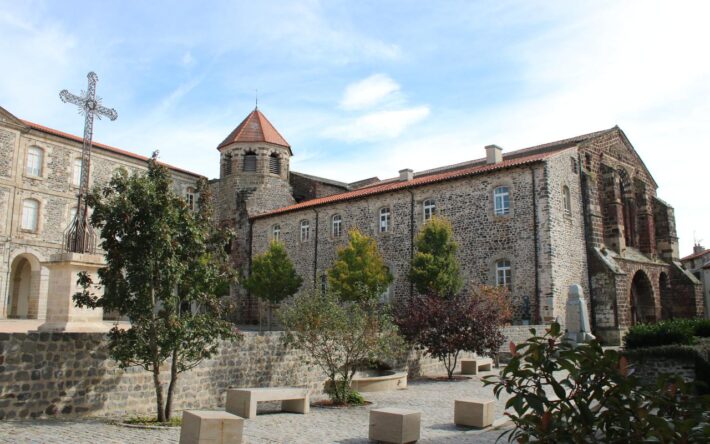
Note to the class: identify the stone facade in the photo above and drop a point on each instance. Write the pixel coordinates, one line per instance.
(24, 253)
(698, 264)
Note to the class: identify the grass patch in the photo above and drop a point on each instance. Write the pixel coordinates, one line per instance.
(175, 421)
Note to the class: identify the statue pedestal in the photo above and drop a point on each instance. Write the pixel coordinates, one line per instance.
(62, 314)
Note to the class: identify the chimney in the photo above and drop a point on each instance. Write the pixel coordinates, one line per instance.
(697, 248)
(406, 174)
(494, 154)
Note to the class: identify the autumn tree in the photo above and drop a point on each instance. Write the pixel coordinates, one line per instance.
(273, 277)
(445, 327)
(435, 268)
(359, 273)
(165, 269)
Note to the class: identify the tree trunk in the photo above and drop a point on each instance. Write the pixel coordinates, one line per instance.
(158, 392)
(171, 386)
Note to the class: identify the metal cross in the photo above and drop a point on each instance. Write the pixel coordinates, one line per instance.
(79, 237)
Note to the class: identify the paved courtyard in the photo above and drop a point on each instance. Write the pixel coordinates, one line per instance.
(348, 426)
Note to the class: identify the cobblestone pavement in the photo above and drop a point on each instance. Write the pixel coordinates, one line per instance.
(347, 426)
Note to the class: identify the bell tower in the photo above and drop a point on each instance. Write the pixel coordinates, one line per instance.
(253, 179)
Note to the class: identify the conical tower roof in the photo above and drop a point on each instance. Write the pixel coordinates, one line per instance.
(255, 128)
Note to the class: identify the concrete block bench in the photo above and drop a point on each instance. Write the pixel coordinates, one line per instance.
(473, 412)
(473, 366)
(393, 425)
(210, 427)
(243, 401)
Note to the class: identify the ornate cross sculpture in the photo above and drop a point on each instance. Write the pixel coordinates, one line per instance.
(79, 237)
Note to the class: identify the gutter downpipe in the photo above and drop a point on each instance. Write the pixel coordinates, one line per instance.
(411, 238)
(536, 248)
(315, 253)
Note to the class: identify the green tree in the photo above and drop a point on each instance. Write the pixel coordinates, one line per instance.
(359, 273)
(165, 265)
(273, 277)
(435, 269)
(339, 336)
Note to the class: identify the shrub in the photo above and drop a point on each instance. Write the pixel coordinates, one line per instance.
(596, 397)
(444, 327)
(660, 333)
(701, 327)
(435, 268)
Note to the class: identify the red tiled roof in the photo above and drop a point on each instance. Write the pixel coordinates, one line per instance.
(112, 149)
(400, 185)
(255, 128)
(695, 255)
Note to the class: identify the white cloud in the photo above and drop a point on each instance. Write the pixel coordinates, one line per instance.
(377, 125)
(187, 59)
(368, 92)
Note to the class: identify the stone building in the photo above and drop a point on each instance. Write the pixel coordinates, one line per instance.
(537, 220)
(39, 173)
(698, 264)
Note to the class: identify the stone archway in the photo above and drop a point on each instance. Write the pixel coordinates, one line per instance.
(643, 306)
(24, 288)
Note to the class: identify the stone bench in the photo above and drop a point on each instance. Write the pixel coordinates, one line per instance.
(473, 366)
(393, 425)
(243, 401)
(210, 427)
(474, 412)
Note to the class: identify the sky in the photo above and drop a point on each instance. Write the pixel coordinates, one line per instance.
(367, 88)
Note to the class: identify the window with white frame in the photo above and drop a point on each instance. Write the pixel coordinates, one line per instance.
(276, 232)
(190, 197)
(305, 230)
(30, 214)
(76, 172)
(385, 217)
(503, 276)
(337, 224)
(35, 157)
(429, 207)
(567, 200)
(501, 201)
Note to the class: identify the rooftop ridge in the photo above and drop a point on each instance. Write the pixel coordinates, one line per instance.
(255, 128)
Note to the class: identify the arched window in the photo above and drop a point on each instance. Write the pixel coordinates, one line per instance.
(190, 198)
(250, 161)
(305, 230)
(274, 164)
(76, 172)
(337, 225)
(385, 220)
(503, 276)
(429, 207)
(501, 201)
(30, 214)
(35, 157)
(567, 200)
(227, 164)
(276, 232)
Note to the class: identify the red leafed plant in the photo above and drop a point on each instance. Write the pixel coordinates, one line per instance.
(445, 327)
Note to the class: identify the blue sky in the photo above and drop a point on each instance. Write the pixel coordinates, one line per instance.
(370, 87)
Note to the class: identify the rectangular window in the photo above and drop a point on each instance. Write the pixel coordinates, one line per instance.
(337, 226)
(384, 220)
(276, 232)
(501, 200)
(429, 209)
(76, 172)
(34, 162)
(190, 198)
(30, 210)
(305, 230)
(503, 274)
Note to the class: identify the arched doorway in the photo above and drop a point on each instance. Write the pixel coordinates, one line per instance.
(643, 306)
(24, 288)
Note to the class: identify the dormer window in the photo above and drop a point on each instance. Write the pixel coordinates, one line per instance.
(250, 161)
(274, 164)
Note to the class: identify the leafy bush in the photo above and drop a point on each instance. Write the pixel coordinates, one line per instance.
(701, 327)
(435, 268)
(560, 393)
(660, 333)
(444, 327)
(339, 336)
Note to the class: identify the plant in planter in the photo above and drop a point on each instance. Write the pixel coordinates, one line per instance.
(585, 394)
(339, 336)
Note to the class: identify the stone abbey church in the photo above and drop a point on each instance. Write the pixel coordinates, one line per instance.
(537, 220)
